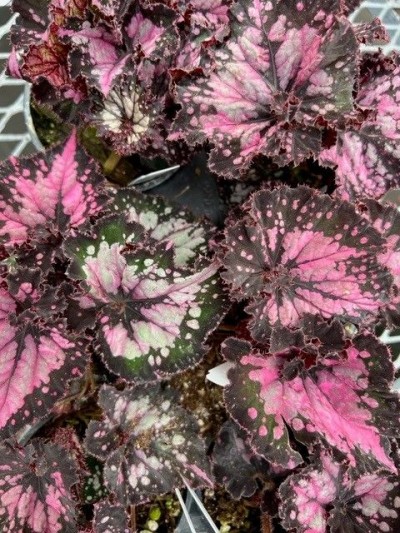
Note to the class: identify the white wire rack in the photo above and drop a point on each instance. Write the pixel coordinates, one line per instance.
(389, 13)
(17, 134)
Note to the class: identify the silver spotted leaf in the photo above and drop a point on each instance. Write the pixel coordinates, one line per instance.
(153, 318)
(286, 65)
(148, 443)
(330, 496)
(166, 223)
(93, 487)
(341, 398)
(297, 252)
(48, 194)
(35, 489)
(37, 362)
(110, 518)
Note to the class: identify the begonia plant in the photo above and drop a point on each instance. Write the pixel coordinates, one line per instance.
(113, 301)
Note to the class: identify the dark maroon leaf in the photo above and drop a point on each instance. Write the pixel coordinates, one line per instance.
(35, 489)
(33, 296)
(110, 518)
(32, 21)
(285, 65)
(297, 252)
(235, 465)
(148, 442)
(47, 60)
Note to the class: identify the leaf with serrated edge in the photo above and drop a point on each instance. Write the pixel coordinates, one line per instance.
(35, 489)
(386, 220)
(153, 29)
(286, 64)
(166, 223)
(343, 400)
(36, 365)
(367, 157)
(130, 115)
(96, 55)
(148, 443)
(54, 192)
(297, 251)
(329, 496)
(153, 317)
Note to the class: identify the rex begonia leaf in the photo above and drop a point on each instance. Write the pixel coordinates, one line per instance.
(208, 18)
(93, 486)
(130, 116)
(110, 518)
(367, 157)
(329, 496)
(96, 55)
(342, 399)
(297, 251)
(286, 64)
(36, 364)
(47, 60)
(165, 223)
(32, 21)
(148, 442)
(153, 317)
(33, 296)
(112, 9)
(235, 465)
(370, 32)
(152, 27)
(386, 220)
(35, 489)
(51, 193)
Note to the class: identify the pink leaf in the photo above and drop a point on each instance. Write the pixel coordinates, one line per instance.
(342, 400)
(276, 72)
(328, 496)
(36, 365)
(50, 193)
(97, 56)
(367, 156)
(297, 251)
